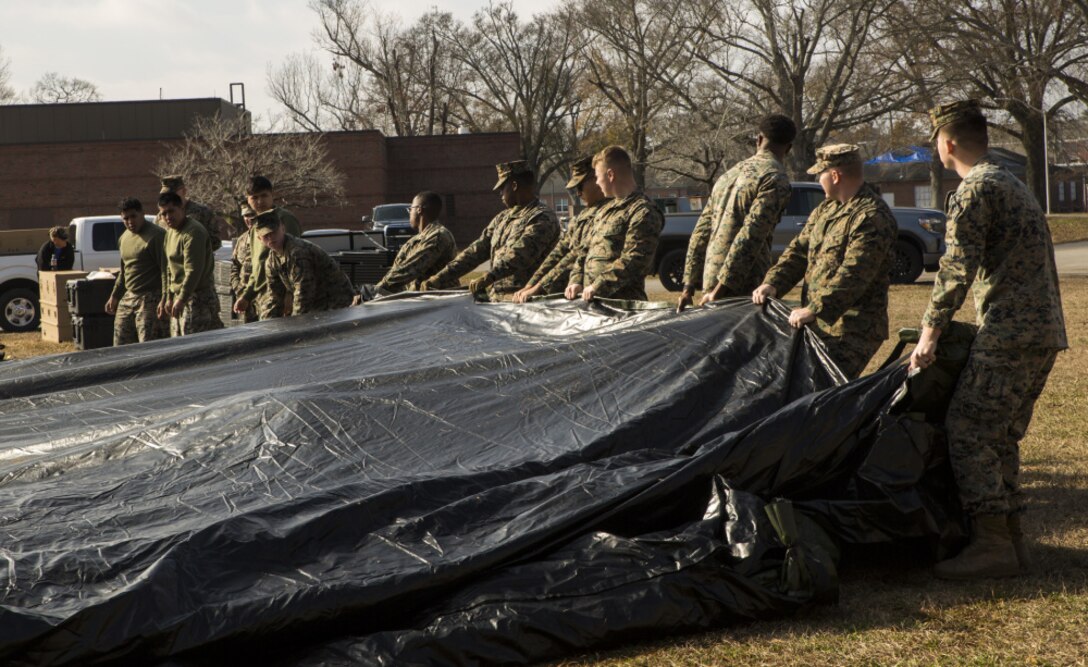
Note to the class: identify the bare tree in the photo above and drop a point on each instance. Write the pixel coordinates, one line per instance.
(640, 55)
(401, 72)
(219, 156)
(521, 76)
(53, 88)
(7, 93)
(317, 98)
(811, 60)
(1016, 55)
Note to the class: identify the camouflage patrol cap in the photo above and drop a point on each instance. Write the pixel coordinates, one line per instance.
(508, 169)
(579, 171)
(247, 211)
(266, 223)
(944, 114)
(835, 155)
(171, 183)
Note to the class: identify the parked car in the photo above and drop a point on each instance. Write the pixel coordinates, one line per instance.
(919, 245)
(392, 221)
(94, 240)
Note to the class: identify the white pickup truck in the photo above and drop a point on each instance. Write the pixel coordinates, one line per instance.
(94, 240)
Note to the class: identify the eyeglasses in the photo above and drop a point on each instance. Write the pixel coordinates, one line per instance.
(415, 208)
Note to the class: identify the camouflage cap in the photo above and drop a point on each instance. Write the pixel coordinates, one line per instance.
(267, 222)
(247, 211)
(835, 155)
(171, 183)
(579, 171)
(508, 169)
(944, 114)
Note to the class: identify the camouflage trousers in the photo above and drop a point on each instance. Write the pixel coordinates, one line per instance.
(137, 319)
(201, 313)
(987, 417)
(267, 306)
(851, 355)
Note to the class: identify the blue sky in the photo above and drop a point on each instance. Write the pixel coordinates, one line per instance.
(192, 48)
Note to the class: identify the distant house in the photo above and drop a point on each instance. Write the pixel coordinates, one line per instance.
(903, 178)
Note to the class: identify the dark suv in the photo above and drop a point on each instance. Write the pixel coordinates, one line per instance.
(919, 246)
(392, 221)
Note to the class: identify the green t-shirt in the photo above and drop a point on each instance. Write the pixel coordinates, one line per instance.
(142, 259)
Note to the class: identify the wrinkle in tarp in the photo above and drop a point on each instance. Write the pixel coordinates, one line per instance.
(427, 480)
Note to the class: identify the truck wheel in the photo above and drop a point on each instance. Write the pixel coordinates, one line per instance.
(19, 310)
(671, 270)
(907, 263)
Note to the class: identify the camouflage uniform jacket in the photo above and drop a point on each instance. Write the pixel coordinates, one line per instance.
(205, 216)
(845, 254)
(998, 239)
(258, 280)
(731, 243)
(422, 256)
(308, 273)
(142, 260)
(553, 273)
(241, 262)
(189, 261)
(516, 240)
(620, 250)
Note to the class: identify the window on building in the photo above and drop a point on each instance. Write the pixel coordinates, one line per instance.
(562, 205)
(889, 198)
(1061, 190)
(923, 195)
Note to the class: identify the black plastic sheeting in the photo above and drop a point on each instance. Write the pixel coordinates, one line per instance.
(427, 480)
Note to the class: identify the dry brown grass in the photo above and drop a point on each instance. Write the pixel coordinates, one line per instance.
(27, 345)
(1068, 227)
(896, 614)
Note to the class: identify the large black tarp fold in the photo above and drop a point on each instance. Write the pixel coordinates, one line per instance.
(427, 480)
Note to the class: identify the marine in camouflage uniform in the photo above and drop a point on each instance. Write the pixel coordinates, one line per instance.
(267, 303)
(731, 242)
(619, 253)
(844, 254)
(516, 240)
(195, 210)
(137, 291)
(999, 244)
(190, 279)
(553, 274)
(422, 256)
(241, 262)
(301, 272)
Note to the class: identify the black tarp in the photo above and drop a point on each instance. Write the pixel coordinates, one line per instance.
(431, 481)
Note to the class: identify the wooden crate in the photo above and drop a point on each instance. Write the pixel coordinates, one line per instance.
(57, 334)
(22, 241)
(56, 314)
(53, 286)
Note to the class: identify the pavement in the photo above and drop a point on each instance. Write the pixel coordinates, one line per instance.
(1072, 258)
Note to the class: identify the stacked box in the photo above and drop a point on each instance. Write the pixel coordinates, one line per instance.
(225, 294)
(91, 332)
(53, 302)
(22, 241)
(89, 297)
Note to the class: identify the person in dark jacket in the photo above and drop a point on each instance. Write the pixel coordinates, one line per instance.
(56, 254)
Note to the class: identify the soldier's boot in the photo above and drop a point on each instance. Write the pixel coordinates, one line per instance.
(1023, 553)
(990, 554)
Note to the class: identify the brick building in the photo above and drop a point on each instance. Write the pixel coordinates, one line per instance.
(61, 161)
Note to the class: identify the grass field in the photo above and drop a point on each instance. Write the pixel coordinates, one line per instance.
(1068, 227)
(896, 613)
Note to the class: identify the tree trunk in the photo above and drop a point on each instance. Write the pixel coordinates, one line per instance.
(1031, 128)
(936, 181)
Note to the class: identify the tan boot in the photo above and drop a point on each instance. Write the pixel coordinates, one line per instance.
(990, 553)
(1023, 554)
